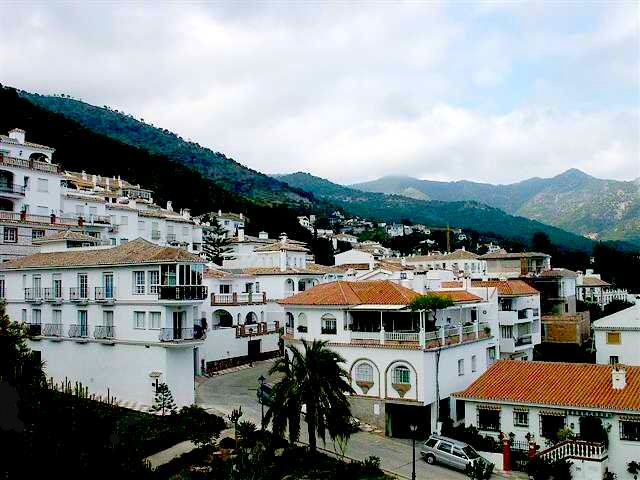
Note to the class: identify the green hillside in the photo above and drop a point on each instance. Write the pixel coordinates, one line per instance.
(573, 200)
(213, 165)
(465, 214)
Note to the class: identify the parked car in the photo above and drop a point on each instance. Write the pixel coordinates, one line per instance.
(265, 394)
(447, 451)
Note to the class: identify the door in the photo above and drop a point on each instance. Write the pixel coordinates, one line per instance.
(107, 281)
(254, 349)
(82, 323)
(178, 324)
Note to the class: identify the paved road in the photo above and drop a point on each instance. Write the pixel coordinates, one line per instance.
(224, 393)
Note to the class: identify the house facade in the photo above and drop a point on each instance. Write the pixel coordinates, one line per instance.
(503, 264)
(540, 398)
(617, 337)
(118, 319)
(592, 289)
(403, 365)
(461, 262)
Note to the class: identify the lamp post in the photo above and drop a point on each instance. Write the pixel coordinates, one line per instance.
(261, 380)
(414, 429)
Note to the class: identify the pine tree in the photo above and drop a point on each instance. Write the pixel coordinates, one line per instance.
(215, 243)
(163, 402)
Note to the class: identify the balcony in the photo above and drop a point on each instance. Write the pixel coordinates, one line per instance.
(114, 229)
(523, 340)
(33, 295)
(182, 293)
(105, 295)
(176, 334)
(171, 237)
(11, 190)
(80, 295)
(238, 298)
(52, 330)
(34, 329)
(31, 164)
(447, 336)
(53, 295)
(576, 449)
(78, 331)
(104, 332)
(255, 329)
(523, 314)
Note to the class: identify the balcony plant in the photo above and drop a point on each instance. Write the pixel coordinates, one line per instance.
(401, 388)
(364, 385)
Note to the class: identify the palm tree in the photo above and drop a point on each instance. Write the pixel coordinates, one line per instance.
(313, 377)
(432, 303)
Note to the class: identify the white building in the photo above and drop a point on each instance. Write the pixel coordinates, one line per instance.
(118, 319)
(461, 262)
(591, 288)
(400, 362)
(518, 317)
(395, 230)
(539, 398)
(617, 337)
(355, 257)
(503, 264)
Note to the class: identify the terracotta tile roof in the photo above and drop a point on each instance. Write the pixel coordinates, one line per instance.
(65, 235)
(355, 266)
(277, 271)
(380, 292)
(502, 254)
(316, 267)
(559, 272)
(508, 288)
(134, 252)
(280, 245)
(579, 385)
(593, 282)
(451, 284)
(393, 266)
(215, 273)
(457, 296)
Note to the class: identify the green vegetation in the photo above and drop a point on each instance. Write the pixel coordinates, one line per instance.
(215, 243)
(313, 377)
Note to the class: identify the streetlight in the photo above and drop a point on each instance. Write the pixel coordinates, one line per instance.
(261, 380)
(414, 429)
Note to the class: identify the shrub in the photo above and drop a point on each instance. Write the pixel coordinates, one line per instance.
(227, 443)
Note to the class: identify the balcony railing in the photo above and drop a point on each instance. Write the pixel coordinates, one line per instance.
(78, 331)
(179, 293)
(260, 328)
(12, 188)
(77, 294)
(457, 334)
(176, 334)
(105, 294)
(35, 329)
(237, 298)
(577, 449)
(32, 164)
(52, 330)
(92, 218)
(523, 340)
(33, 294)
(52, 295)
(104, 332)
(522, 314)
(171, 237)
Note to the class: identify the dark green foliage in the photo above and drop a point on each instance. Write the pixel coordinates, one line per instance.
(615, 306)
(480, 471)
(314, 377)
(163, 403)
(540, 469)
(633, 468)
(564, 352)
(322, 249)
(470, 435)
(201, 427)
(430, 303)
(215, 243)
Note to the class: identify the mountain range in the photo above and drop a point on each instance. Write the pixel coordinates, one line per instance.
(246, 188)
(573, 200)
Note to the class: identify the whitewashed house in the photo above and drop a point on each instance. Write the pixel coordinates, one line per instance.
(355, 257)
(518, 317)
(399, 361)
(118, 319)
(591, 288)
(540, 398)
(503, 264)
(617, 337)
(461, 262)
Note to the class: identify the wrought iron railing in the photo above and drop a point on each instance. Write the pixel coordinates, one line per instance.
(12, 188)
(175, 334)
(52, 330)
(77, 294)
(78, 331)
(53, 294)
(33, 294)
(187, 292)
(104, 331)
(105, 294)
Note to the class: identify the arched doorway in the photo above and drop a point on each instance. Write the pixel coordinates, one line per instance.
(251, 319)
(222, 318)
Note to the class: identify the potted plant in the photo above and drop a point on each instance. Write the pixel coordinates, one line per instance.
(401, 388)
(364, 385)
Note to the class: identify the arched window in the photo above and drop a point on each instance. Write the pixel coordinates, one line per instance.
(289, 319)
(289, 286)
(251, 318)
(329, 324)
(401, 375)
(364, 372)
(302, 323)
(301, 285)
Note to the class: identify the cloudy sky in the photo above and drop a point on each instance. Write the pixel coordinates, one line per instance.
(351, 91)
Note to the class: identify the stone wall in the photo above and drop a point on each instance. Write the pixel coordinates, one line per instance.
(566, 328)
(365, 409)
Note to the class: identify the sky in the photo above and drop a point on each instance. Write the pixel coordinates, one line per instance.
(351, 91)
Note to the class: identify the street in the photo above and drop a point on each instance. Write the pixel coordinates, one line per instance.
(223, 393)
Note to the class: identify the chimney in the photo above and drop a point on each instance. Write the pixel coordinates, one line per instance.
(618, 378)
(169, 205)
(283, 237)
(263, 235)
(120, 181)
(17, 134)
(84, 175)
(186, 213)
(241, 234)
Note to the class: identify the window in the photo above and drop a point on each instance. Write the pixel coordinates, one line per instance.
(154, 281)
(80, 210)
(630, 430)
(57, 286)
(141, 225)
(520, 418)
(461, 366)
(185, 231)
(154, 320)
(24, 315)
(489, 419)
(474, 366)
(83, 323)
(445, 447)
(36, 316)
(431, 442)
(614, 360)
(138, 319)
(56, 318)
(107, 284)
(138, 283)
(107, 318)
(3, 292)
(401, 375)
(456, 451)
(329, 326)
(37, 233)
(225, 288)
(613, 338)
(43, 185)
(83, 285)
(550, 423)
(10, 234)
(364, 372)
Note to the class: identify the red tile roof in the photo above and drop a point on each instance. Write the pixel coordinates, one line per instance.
(381, 292)
(457, 296)
(508, 288)
(453, 284)
(579, 385)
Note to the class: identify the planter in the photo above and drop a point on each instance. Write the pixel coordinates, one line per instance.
(401, 388)
(364, 386)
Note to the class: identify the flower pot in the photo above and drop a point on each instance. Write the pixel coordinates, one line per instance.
(401, 388)
(364, 386)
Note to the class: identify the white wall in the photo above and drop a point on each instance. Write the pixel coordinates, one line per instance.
(628, 351)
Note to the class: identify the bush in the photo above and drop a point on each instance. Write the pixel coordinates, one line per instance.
(199, 426)
(227, 443)
(371, 466)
